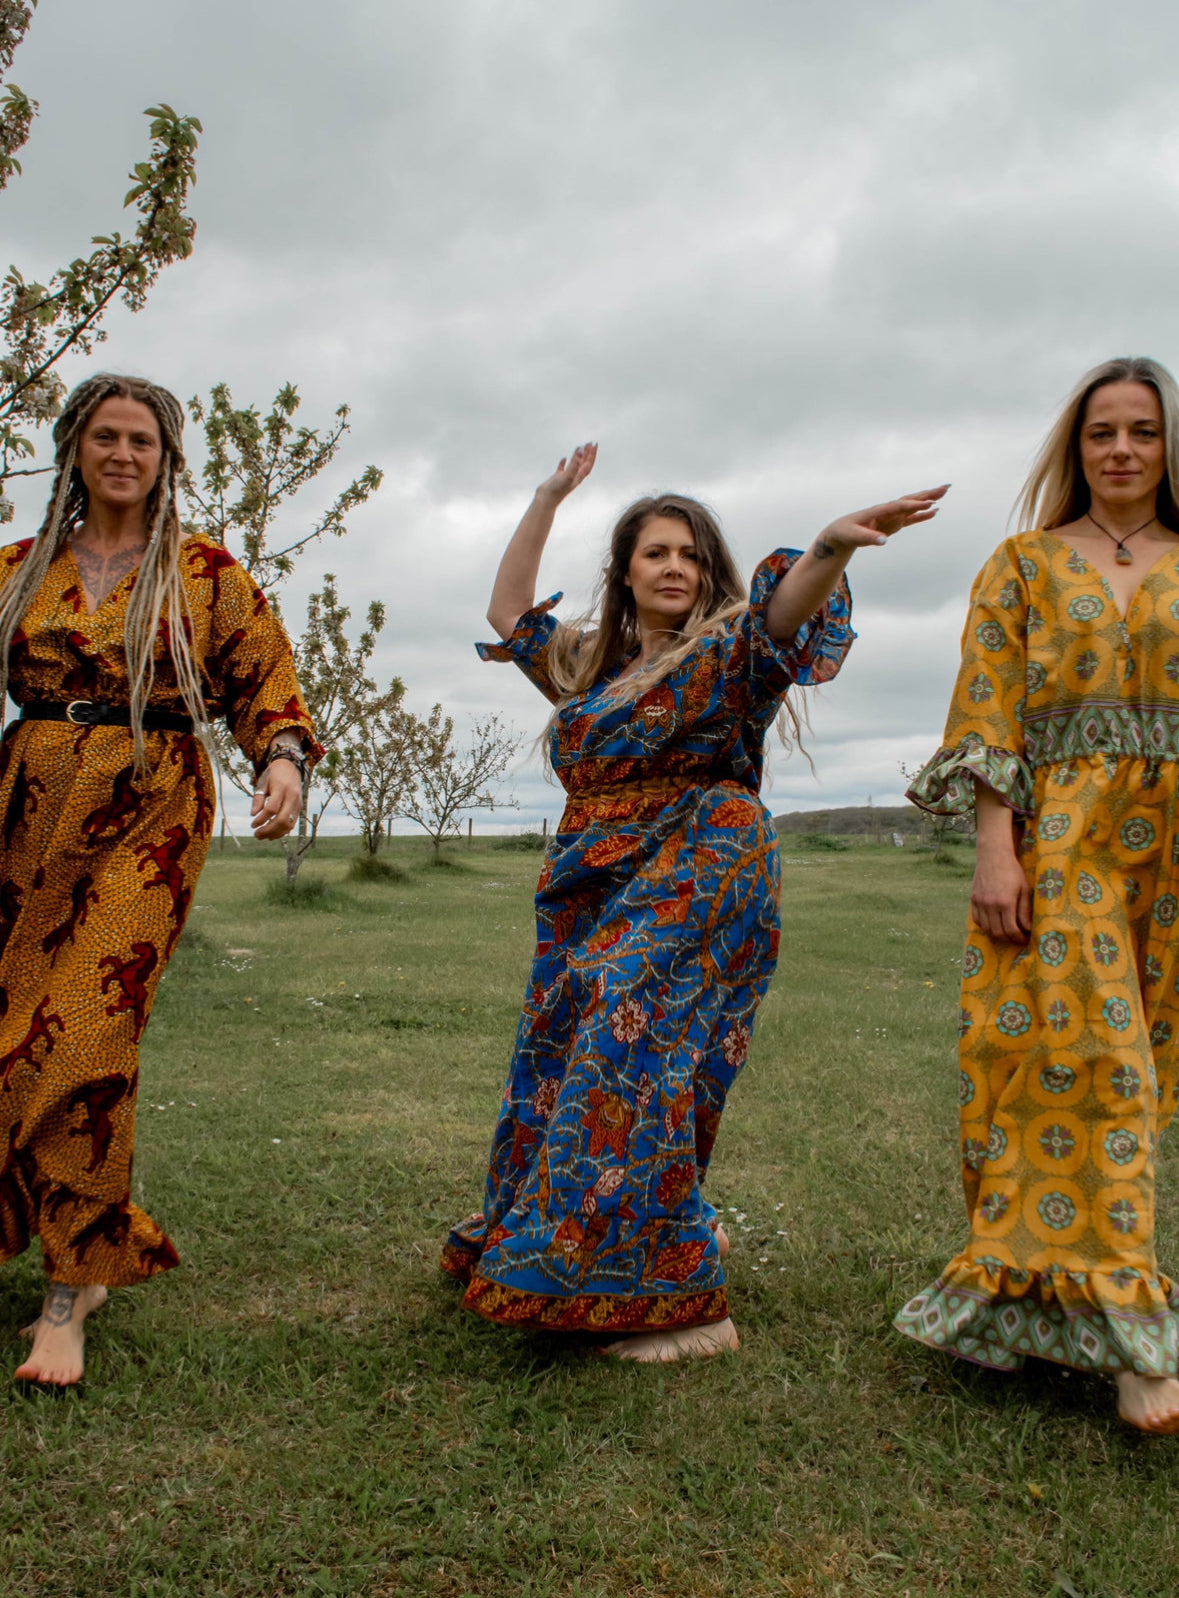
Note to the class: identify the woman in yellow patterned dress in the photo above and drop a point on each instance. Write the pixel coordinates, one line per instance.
(1063, 735)
(118, 638)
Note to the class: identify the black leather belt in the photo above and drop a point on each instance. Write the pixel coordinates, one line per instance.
(94, 713)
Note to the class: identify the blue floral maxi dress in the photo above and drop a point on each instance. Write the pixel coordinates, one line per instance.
(657, 933)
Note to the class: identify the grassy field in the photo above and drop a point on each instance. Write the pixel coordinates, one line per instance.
(301, 1408)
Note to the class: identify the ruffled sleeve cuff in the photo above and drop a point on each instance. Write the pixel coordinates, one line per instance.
(945, 785)
(528, 645)
(817, 650)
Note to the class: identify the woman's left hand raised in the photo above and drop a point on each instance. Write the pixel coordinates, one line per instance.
(878, 523)
(278, 798)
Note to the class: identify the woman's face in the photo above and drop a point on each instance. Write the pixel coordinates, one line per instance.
(119, 454)
(1123, 445)
(664, 573)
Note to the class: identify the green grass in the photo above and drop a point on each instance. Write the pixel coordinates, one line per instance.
(302, 1409)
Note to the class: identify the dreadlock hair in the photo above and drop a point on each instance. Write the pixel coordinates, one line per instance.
(159, 605)
(584, 650)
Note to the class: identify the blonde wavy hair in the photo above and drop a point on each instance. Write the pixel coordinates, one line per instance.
(585, 649)
(158, 604)
(1056, 492)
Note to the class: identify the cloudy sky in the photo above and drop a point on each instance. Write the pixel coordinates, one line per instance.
(791, 256)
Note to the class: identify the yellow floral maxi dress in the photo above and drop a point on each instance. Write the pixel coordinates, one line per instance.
(97, 868)
(1070, 712)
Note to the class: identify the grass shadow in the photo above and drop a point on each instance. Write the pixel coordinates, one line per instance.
(371, 868)
(307, 893)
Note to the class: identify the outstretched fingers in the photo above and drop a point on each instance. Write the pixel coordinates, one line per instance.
(582, 462)
(571, 470)
(904, 512)
(878, 523)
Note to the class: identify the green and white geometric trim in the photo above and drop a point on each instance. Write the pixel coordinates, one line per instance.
(1002, 1333)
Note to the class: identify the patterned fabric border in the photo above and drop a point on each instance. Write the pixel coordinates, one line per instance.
(1117, 727)
(656, 1312)
(514, 646)
(818, 648)
(945, 785)
(458, 1261)
(1002, 1333)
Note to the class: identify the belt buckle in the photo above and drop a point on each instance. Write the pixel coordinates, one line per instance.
(80, 704)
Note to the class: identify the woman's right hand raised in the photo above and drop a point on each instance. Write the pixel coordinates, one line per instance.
(571, 470)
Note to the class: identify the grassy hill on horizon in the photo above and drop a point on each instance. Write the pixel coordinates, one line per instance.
(855, 821)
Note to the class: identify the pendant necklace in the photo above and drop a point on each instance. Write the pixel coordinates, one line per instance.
(1123, 556)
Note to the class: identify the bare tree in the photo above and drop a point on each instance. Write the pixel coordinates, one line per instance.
(41, 322)
(379, 765)
(450, 781)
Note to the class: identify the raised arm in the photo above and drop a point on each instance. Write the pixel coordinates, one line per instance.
(812, 578)
(514, 590)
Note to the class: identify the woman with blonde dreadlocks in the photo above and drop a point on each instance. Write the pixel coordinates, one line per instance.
(119, 638)
(656, 914)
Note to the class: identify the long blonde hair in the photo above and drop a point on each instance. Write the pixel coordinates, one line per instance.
(1056, 492)
(158, 604)
(585, 649)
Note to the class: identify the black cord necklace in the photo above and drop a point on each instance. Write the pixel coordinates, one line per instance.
(1123, 556)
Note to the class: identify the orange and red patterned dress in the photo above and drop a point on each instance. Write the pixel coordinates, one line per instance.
(97, 868)
(1067, 709)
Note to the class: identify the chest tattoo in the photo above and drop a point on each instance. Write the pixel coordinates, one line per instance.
(101, 573)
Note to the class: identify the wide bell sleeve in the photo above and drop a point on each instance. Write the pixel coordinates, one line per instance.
(984, 739)
(760, 669)
(529, 646)
(250, 670)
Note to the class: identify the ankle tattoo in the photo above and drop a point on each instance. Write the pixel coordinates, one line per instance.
(59, 1304)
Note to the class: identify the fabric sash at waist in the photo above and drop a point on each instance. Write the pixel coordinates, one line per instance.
(1128, 729)
(634, 802)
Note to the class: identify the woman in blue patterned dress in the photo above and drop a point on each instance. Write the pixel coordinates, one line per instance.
(657, 913)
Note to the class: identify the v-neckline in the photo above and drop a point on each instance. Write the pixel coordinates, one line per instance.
(1171, 553)
(85, 592)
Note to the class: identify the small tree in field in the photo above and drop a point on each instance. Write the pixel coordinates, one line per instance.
(379, 765)
(41, 322)
(254, 465)
(451, 781)
(341, 697)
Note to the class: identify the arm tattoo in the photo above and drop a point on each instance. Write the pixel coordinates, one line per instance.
(59, 1304)
(822, 550)
(101, 573)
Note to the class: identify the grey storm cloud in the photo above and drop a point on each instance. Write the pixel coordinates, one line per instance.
(791, 257)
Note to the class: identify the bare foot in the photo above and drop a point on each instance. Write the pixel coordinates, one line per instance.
(664, 1348)
(1150, 1403)
(722, 1240)
(56, 1356)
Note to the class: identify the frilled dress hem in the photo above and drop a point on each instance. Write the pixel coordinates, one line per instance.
(1086, 1320)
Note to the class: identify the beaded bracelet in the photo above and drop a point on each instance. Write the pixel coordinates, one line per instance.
(297, 757)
